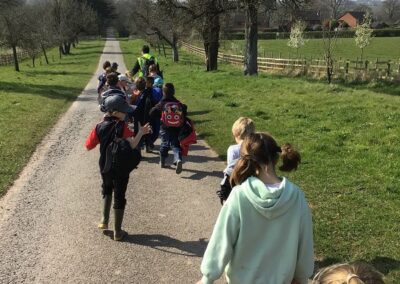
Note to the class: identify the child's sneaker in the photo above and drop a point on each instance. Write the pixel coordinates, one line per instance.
(178, 167)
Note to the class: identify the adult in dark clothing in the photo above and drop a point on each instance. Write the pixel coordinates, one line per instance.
(169, 134)
(140, 66)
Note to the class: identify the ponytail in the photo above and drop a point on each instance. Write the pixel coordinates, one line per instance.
(258, 150)
(246, 167)
(290, 158)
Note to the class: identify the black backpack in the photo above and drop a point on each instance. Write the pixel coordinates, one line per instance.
(120, 156)
(146, 64)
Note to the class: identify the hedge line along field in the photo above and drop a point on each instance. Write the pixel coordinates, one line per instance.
(32, 101)
(382, 48)
(348, 136)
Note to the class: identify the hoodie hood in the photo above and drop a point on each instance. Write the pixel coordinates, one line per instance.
(270, 203)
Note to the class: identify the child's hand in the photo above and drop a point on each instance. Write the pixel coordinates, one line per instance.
(145, 129)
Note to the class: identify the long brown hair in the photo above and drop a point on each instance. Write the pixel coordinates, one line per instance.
(260, 149)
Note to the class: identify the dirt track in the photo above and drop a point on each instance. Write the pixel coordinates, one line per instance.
(48, 219)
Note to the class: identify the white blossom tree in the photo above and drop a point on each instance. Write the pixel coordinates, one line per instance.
(363, 34)
(296, 39)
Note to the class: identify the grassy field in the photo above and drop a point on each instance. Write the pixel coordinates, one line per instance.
(348, 136)
(345, 48)
(33, 99)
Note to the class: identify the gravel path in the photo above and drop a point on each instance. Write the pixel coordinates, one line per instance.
(48, 219)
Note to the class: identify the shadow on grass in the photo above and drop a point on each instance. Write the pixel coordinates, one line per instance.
(385, 264)
(88, 46)
(48, 91)
(49, 72)
(382, 263)
(388, 88)
(114, 52)
(169, 245)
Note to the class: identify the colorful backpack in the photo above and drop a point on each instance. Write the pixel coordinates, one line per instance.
(172, 114)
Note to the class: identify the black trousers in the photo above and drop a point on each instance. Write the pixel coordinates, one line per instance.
(114, 182)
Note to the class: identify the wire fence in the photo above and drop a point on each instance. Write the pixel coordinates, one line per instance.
(342, 68)
(8, 59)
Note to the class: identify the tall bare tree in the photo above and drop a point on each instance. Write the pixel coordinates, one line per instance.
(69, 19)
(204, 16)
(391, 9)
(251, 36)
(12, 27)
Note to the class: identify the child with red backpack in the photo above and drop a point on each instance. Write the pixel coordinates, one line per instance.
(172, 114)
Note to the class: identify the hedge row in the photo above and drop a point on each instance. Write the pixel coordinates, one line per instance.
(318, 34)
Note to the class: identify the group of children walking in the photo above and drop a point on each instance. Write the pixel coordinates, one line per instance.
(263, 233)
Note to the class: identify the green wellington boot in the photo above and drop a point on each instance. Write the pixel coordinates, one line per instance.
(118, 217)
(107, 200)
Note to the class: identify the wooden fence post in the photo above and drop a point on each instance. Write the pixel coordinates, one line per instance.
(347, 67)
(388, 69)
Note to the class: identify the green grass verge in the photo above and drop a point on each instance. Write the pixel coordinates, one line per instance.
(383, 48)
(32, 100)
(348, 136)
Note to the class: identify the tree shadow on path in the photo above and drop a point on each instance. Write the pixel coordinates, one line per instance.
(168, 244)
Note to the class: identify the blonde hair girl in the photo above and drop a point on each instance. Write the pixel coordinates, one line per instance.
(348, 273)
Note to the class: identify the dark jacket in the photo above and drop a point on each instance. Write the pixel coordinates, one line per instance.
(144, 104)
(104, 133)
(156, 111)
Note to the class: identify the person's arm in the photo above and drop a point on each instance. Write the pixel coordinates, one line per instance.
(305, 254)
(100, 85)
(143, 130)
(223, 239)
(155, 112)
(135, 68)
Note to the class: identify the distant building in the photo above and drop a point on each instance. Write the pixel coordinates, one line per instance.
(236, 22)
(310, 17)
(352, 18)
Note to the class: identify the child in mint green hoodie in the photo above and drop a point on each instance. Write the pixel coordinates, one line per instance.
(263, 234)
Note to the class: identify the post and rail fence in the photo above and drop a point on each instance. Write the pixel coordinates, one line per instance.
(360, 69)
(8, 59)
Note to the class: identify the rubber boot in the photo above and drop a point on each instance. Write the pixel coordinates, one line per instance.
(118, 217)
(178, 169)
(107, 200)
(162, 161)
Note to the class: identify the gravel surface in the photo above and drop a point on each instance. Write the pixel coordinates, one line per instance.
(48, 219)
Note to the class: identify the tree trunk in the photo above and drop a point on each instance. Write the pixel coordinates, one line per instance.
(206, 48)
(61, 50)
(251, 37)
(45, 54)
(67, 48)
(213, 44)
(16, 64)
(175, 54)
